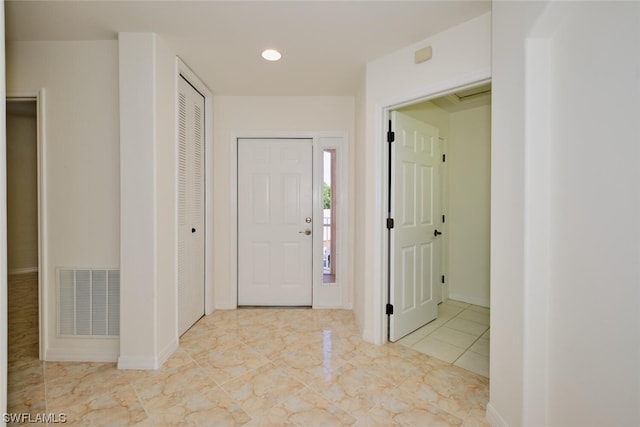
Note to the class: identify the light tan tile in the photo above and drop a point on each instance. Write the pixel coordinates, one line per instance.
(440, 349)
(199, 406)
(230, 363)
(259, 390)
(25, 375)
(26, 399)
(116, 407)
(67, 383)
(353, 389)
(410, 339)
(305, 409)
(474, 362)
(321, 351)
(479, 308)
(467, 326)
(481, 347)
(476, 418)
(158, 389)
(454, 303)
(397, 410)
(454, 337)
(453, 390)
(475, 316)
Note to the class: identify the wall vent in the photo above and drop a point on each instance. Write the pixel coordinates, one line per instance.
(88, 302)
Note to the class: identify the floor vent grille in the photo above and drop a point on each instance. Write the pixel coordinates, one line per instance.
(88, 302)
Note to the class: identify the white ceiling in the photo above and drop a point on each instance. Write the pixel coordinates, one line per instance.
(325, 44)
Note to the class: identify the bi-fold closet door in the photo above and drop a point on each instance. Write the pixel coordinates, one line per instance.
(191, 235)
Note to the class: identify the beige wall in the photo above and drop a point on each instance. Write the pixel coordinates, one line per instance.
(469, 164)
(80, 163)
(22, 189)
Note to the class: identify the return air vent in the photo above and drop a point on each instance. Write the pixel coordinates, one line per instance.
(88, 302)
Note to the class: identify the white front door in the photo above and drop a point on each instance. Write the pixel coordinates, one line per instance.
(415, 208)
(275, 222)
(190, 206)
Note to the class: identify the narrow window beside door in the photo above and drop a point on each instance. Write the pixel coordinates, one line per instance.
(329, 216)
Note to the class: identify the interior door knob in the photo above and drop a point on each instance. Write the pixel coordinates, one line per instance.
(436, 233)
(193, 230)
(305, 232)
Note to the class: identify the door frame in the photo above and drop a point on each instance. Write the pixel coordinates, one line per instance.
(43, 287)
(182, 69)
(336, 295)
(383, 113)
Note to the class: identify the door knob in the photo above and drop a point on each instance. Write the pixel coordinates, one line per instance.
(436, 233)
(193, 230)
(305, 232)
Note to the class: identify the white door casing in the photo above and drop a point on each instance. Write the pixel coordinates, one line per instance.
(275, 210)
(415, 207)
(191, 232)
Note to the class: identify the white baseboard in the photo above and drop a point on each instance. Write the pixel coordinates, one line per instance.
(84, 355)
(147, 363)
(23, 270)
(482, 302)
(224, 306)
(138, 363)
(167, 352)
(494, 417)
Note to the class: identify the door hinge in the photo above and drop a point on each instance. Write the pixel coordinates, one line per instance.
(391, 135)
(443, 278)
(390, 223)
(444, 157)
(389, 309)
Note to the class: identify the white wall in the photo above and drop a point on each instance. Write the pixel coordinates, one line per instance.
(148, 201)
(565, 238)
(80, 163)
(359, 230)
(3, 227)
(469, 163)
(237, 116)
(461, 56)
(22, 189)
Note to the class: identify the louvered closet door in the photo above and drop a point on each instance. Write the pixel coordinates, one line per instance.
(190, 206)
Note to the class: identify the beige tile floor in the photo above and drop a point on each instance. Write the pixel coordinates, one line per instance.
(253, 367)
(460, 335)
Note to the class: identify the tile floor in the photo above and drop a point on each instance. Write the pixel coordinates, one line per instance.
(252, 367)
(460, 335)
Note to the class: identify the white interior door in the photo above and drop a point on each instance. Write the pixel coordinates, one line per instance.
(415, 207)
(190, 205)
(275, 222)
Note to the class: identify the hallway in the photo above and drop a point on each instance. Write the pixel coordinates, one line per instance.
(254, 367)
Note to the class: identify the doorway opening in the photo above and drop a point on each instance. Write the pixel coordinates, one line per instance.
(23, 231)
(463, 120)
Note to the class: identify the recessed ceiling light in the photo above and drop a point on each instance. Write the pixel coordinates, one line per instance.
(271, 55)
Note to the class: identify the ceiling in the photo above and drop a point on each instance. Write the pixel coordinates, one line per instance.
(325, 44)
